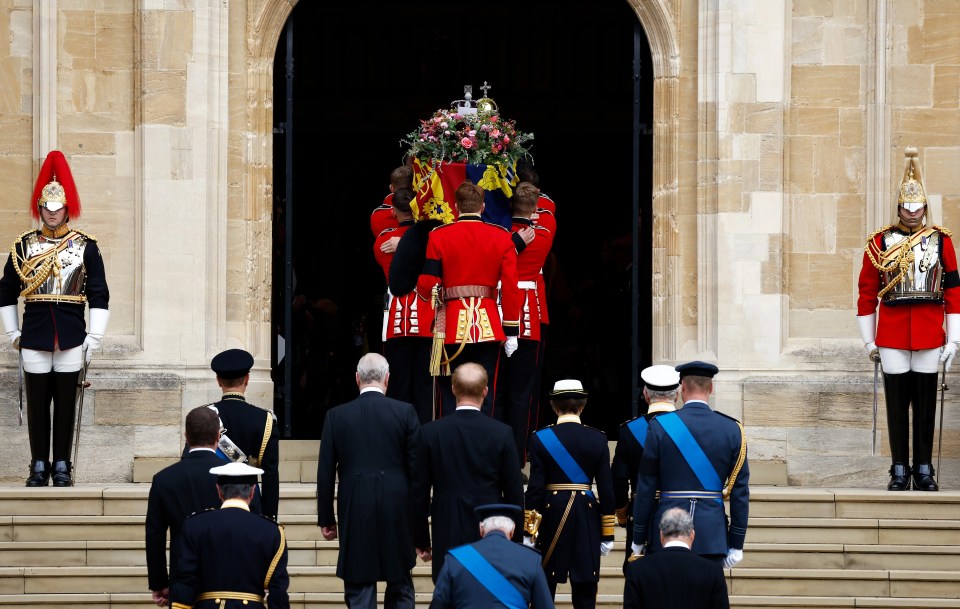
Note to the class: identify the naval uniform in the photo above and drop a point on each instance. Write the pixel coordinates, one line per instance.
(626, 465)
(228, 558)
(575, 520)
(408, 318)
(468, 259)
(254, 431)
(176, 492)
(520, 567)
(718, 454)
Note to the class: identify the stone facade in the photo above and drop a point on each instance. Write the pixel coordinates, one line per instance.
(779, 129)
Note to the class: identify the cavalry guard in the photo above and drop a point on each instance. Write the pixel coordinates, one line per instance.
(910, 269)
(59, 272)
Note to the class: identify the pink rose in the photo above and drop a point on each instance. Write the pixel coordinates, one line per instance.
(472, 133)
(444, 124)
(506, 139)
(466, 143)
(494, 118)
(495, 133)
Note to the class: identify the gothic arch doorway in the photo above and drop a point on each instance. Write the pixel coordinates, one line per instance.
(362, 80)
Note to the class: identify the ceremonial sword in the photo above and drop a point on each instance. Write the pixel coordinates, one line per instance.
(943, 389)
(876, 387)
(81, 385)
(20, 378)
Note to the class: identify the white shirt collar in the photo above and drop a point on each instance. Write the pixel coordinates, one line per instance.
(569, 418)
(661, 407)
(368, 389)
(468, 407)
(203, 448)
(676, 543)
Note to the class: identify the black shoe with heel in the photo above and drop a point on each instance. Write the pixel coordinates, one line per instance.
(923, 478)
(899, 477)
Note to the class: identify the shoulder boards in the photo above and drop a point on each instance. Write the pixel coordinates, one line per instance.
(727, 416)
(640, 416)
(945, 231)
(595, 429)
(83, 234)
(202, 512)
(387, 230)
(269, 519)
(869, 242)
(26, 233)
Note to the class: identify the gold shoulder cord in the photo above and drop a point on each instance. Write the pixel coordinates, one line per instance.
(901, 257)
(276, 558)
(945, 231)
(740, 459)
(267, 429)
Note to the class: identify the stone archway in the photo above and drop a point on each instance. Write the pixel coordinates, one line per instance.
(252, 149)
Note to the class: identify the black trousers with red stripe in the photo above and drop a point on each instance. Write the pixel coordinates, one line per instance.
(485, 354)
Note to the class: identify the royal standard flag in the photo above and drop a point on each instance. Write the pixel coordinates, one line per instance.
(436, 183)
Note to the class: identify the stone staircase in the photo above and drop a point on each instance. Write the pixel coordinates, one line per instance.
(807, 548)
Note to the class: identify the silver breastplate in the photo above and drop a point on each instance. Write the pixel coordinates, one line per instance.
(922, 281)
(65, 275)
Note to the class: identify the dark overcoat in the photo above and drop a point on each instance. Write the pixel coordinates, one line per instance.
(468, 459)
(370, 445)
(675, 578)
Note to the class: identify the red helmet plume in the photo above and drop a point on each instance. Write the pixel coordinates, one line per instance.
(55, 184)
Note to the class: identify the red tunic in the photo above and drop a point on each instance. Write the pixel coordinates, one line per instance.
(910, 326)
(382, 217)
(471, 252)
(548, 220)
(529, 277)
(407, 314)
(547, 203)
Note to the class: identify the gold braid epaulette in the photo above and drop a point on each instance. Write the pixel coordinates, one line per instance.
(902, 260)
(945, 231)
(740, 461)
(276, 558)
(39, 274)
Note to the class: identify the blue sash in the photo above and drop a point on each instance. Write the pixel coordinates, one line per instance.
(638, 427)
(488, 577)
(691, 451)
(564, 459)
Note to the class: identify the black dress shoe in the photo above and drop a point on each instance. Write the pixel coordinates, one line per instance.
(39, 474)
(923, 478)
(899, 477)
(61, 474)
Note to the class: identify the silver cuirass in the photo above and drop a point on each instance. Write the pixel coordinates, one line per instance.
(922, 279)
(66, 275)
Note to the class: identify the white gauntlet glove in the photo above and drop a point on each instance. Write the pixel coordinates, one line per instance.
(868, 332)
(510, 345)
(605, 547)
(953, 337)
(528, 541)
(11, 324)
(98, 325)
(733, 558)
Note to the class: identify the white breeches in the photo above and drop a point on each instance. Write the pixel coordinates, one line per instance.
(899, 361)
(41, 362)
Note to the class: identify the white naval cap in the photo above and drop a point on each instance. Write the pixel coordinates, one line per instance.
(660, 378)
(236, 473)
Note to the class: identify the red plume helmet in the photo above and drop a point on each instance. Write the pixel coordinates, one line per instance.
(55, 183)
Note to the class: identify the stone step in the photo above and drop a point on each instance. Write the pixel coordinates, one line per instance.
(741, 582)
(858, 531)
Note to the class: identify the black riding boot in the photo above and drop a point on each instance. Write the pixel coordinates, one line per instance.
(896, 388)
(925, 387)
(39, 389)
(64, 416)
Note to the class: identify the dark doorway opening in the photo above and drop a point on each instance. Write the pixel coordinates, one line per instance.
(364, 77)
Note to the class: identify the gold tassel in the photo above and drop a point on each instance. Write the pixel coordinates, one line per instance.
(439, 332)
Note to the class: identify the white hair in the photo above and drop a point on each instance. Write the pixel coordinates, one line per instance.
(676, 522)
(498, 523)
(372, 368)
(662, 396)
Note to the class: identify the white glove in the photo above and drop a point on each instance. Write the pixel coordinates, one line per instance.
(11, 323)
(949, 352)
(528, 541)
(733, 558)
(510, 345)
(98, 325)
(868, 332)
(636, 549)
(873, 352)
(605, 547)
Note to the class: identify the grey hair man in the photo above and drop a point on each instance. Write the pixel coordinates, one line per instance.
(675, 576)
(371, 444)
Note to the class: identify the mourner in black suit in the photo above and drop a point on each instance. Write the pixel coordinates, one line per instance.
(675, 578)
(370, 445)
(468, 460)
(493, 572)
(695, 457)
(230, 557)
(660, 388)
(248, 428)
(577, 525)
(178, 491)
